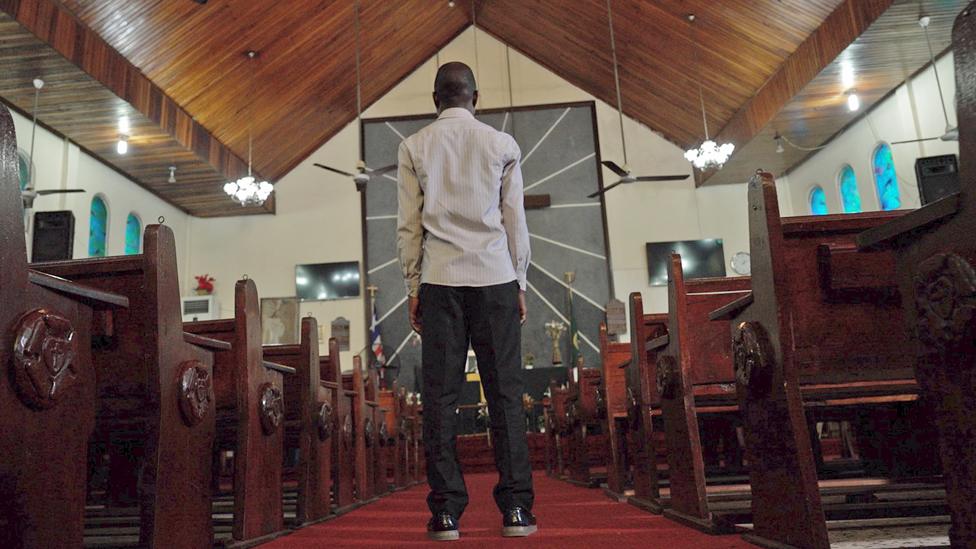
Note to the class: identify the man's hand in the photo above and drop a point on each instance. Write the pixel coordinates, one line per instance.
(523, 310)
(415, 313)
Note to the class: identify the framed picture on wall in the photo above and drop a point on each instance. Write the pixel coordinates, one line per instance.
(279, 320)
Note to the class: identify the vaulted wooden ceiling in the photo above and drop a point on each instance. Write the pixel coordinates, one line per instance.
(305, 84)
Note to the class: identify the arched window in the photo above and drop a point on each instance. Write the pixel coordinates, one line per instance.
(818, 201)
(133, 234)
(97, 227)
(849, 194)
(885, 178)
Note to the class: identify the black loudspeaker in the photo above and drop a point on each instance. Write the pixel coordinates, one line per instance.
(54, 236)
(937, 176)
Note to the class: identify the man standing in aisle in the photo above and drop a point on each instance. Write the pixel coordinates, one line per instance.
(464, 250)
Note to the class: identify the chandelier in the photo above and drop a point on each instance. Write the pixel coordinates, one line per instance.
(710, 154)
(248, 191)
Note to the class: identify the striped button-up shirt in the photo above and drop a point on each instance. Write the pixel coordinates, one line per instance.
(461, 215)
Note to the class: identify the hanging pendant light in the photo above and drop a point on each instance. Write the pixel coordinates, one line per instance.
(710, 154)
(248, 191)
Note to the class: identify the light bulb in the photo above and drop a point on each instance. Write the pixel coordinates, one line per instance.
(122, 146)
(853, 102)
(847, 75)
(124, 126)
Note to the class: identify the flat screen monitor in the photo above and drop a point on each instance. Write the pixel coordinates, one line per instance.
(325, 281)
(699, 259)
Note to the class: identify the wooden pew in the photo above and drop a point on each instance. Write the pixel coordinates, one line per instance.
(558, 424)
(365, 434)
(308, 424)
(158, 433)
(49, 385)
(388, 438)
(811, 338)
(587, 445)
(615, 357)
(644, 440)
(376, 413)
(344, 447)
(934, 254)
(695, 382)
(250, 409)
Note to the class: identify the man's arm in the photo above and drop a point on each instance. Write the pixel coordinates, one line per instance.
(513, 213)
(410, 231)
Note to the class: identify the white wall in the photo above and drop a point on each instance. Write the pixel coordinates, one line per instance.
(60, 164)
(318, 216)
(912, 112)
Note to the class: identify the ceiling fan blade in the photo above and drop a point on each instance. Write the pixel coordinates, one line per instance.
(604, 190)
(383, 170)
(340, 172)
(914, 140)
(662, 177)
(59, 191)
(614, 167)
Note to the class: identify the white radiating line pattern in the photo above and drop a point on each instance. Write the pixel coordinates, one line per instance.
(545, 135)
(504, 122)
(568, 247)
(381, 267)
(396, 131)
(400, 347)
(390, 177)
(559, 171)
(564, 285)
(390, 312)
(580, 205)
(560, 315)
(379, 217)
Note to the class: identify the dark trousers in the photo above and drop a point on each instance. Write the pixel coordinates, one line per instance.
(487, 319)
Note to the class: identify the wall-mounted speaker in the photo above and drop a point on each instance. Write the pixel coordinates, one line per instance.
(937, 176)
(54, 236)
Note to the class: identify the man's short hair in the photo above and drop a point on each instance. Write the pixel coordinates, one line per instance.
(454, 82)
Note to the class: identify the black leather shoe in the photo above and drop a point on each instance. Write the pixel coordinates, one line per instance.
(442, 527)
(518, 522)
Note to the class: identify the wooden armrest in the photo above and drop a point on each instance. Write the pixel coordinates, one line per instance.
(279, 367)
(903, 227)
(207, 342)
(657, 343)
(282, 350)
(97, 299)
(726, 312)
(626, 363)
(350, 392)
(330, 385)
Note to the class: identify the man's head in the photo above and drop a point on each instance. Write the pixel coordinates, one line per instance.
(455, 87)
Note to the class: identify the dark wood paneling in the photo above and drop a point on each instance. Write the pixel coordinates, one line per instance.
(89, 86)
(811, 105)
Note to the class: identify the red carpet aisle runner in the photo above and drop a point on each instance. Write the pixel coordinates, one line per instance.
(569, 517)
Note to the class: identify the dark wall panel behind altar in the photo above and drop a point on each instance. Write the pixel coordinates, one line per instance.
(561, 159)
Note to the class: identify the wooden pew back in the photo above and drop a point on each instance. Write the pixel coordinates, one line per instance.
(309, 421)
(141, 350)
(250, 405)
(48, 383)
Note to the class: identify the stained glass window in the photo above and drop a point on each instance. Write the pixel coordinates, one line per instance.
(133, 234)
(818, 201)
(885, 178)
(97, 227)
(848, 190)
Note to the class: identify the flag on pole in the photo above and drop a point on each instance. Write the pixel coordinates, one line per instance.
(375, 341)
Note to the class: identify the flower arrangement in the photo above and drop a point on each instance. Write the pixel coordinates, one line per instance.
(204, 284)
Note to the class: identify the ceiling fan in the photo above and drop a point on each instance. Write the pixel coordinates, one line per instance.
(951, 132)
(363, 172)
(27, 192)
(624, 171)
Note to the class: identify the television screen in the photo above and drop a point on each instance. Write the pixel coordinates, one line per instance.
(699, 259)
(322, 281)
